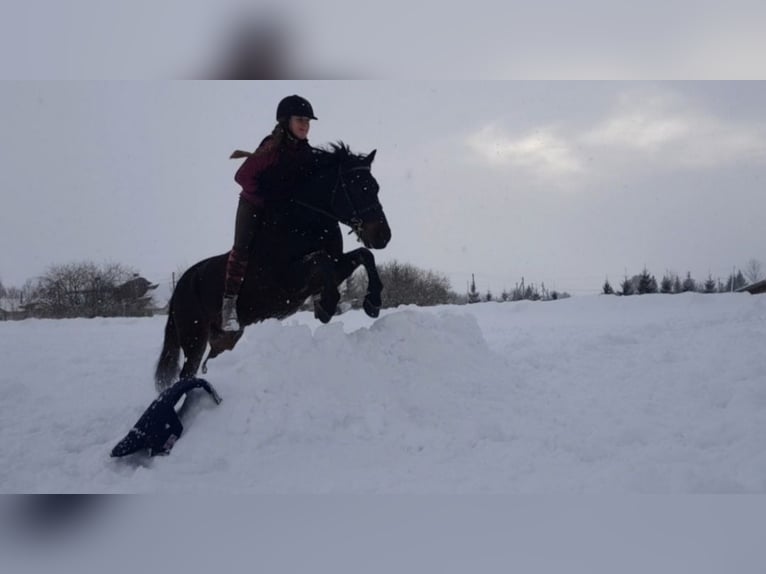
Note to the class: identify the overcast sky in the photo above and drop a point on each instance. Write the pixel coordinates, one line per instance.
(396, 39)
(559, 182)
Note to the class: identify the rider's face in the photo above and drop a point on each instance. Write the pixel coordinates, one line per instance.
(299, 127)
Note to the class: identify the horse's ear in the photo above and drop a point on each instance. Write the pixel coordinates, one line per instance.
(371, 157)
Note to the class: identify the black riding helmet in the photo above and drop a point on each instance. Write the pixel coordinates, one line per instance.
(294, 106)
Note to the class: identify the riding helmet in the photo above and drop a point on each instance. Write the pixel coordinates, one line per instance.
(294, 106)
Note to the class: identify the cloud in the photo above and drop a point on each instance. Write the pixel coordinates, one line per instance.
(640, 128)
(542, 151)
(674, 134)
(646, 132)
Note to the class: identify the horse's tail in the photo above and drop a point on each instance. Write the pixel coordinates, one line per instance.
(167, 366)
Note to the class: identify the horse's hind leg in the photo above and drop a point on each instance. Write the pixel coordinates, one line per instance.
(194, 346)
(220, 342)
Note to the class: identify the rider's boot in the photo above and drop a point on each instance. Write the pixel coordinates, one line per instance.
(236, 267)
(229, 320)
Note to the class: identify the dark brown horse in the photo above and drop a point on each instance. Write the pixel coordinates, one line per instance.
(297, 253)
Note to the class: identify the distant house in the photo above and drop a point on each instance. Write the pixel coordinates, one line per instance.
(754, 289)
(11, 309)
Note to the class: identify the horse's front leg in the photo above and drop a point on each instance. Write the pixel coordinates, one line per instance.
(348, 263)
(319, 271)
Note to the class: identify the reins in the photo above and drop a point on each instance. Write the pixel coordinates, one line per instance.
(356, 221)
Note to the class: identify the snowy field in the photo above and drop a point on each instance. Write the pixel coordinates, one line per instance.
(606, 395)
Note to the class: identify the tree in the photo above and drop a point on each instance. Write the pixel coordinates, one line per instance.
(689, 284)
(3, 291)
(473, 294)
(532, 293)
(735, 282)
(607, 288)
(710, 284)
(488, 296)
(403, 284)
(626, 287)
(753, 272)
(88, 290)
(646, 283)
(666, 285)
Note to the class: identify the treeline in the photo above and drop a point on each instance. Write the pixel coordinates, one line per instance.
(521, 292)
(671, 283)
(80, 290)
(91, 290)
(406, 284)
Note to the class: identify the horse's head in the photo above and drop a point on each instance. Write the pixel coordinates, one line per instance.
(354, 200)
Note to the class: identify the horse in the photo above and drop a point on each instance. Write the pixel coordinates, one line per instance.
(296, 253)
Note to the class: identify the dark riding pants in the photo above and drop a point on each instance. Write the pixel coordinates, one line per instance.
(244, 230)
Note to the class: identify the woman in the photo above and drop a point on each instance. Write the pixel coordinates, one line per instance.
(270, 173)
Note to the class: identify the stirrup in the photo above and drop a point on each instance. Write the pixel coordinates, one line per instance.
(229, 320)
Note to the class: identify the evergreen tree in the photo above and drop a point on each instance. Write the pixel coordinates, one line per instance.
(710, 286)
(473, 294)
(531, 293)
(518, 291)
(626, 286)
(488, 296)
(666, 285)
(735, 282)
(607, 288)
(689, 284)
(646, 283)
(677, 287)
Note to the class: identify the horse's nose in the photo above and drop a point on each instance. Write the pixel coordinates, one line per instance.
(380, 235)
(384, 236)
(376, 234)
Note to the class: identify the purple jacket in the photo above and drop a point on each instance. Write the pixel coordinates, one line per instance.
(273, 171)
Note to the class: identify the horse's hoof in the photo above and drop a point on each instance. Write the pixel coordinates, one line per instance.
(321, 314)
(371, 310)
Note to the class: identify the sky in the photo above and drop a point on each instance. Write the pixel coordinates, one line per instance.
(397, 39)
(564, 183)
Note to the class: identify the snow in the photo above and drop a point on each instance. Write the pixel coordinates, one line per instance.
(596, 395)
(652, 394)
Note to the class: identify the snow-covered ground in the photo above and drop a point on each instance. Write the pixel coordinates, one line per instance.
(652, 394)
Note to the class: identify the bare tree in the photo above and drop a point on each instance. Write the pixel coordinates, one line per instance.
(83, 290)
(753, 271)
(403, 284)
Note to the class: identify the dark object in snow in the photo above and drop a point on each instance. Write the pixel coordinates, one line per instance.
(160, 426)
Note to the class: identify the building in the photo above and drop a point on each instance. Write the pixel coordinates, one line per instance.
(755, 289)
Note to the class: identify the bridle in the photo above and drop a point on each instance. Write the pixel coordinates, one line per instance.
(356, 221)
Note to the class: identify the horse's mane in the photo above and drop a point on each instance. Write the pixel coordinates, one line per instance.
(336, 152)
